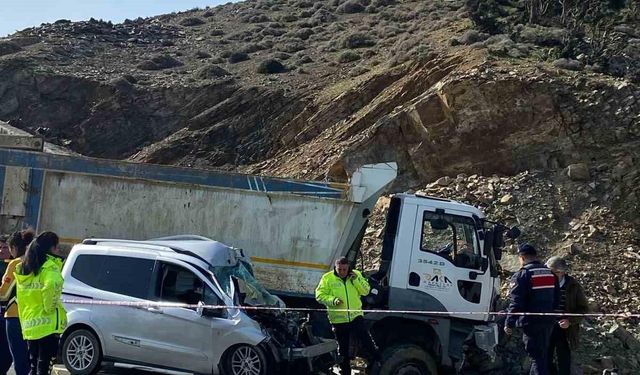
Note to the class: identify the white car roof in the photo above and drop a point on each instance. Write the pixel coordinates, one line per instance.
(211, 252)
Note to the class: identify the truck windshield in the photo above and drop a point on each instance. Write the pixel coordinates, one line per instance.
(456, 241)
(249, 290)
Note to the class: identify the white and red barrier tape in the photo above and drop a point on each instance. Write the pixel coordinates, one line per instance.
(148, 304)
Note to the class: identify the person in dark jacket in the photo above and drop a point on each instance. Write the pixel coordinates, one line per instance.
(534, 289)
(566, 333)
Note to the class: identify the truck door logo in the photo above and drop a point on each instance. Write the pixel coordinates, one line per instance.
(437, 280)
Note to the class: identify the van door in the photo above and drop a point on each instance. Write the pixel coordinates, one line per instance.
(116, 279)
(447, 262)
(179, 337)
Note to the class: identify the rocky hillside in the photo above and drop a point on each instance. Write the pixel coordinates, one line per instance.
(542, 97)
(304, 88)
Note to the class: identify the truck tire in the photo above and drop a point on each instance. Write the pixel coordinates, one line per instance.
(81, 353)
(406, 359)
(245, 360)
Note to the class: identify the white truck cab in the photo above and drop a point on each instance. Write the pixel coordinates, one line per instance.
(438, 256)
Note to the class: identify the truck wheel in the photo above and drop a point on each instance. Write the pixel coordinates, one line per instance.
(406, 359)
(81, 353)
(245, 360)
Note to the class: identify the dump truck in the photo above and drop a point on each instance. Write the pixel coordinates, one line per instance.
(438, 255)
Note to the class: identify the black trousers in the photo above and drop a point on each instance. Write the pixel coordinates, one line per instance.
(357, 329)
(560, 351)
(536, 339)
(5, 354)
(41, 354)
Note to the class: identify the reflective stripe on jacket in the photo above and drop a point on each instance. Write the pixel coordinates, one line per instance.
(534, 289)
(39, 304)
(348, 291)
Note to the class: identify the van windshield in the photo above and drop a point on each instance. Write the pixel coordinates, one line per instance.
(250, 291)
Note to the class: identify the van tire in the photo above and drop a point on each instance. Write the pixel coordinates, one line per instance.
(88, 361)
(406, 359)
(234, 356)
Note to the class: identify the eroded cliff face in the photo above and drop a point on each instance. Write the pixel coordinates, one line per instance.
(313, 90)
(435, 120)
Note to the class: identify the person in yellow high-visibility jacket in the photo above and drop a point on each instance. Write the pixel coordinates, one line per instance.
(19, 351)
(341, 290)
(38, 289)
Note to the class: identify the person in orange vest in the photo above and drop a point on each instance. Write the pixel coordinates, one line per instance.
(5, 354)
(19, 352)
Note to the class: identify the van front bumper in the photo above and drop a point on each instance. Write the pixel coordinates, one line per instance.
(326, 346)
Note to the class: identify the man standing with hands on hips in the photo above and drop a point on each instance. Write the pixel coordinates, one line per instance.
(341, 290)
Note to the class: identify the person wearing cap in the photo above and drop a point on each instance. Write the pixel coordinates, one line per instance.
(565, 336)
(533, 289)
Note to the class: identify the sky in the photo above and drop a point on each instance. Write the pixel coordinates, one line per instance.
(19, 14)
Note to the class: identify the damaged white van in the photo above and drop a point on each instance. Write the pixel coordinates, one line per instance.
(165, 327)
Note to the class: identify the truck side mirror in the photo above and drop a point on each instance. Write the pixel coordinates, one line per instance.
(485, 264)
(488, 241)
(497, 253)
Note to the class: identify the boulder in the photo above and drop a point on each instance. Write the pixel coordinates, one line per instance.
(237, 57)
(192, 21)
(626, 29)
(507, 199)
(543, 36)
(351, 6)
(444, 181)
(271, 66)
(628, 339)
(578, 172)
(473, 36)
(160, 62)
(568, 64)
(358, 40)
(211, 71)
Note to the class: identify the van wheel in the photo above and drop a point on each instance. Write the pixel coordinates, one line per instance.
(81, 353)
(245, 360)
(406, 360)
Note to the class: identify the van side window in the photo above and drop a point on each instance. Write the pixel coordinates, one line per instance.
(452, 237)
(117, 274)
(180, 285)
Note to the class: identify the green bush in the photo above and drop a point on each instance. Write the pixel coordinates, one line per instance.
(485, 15)
(348, 56)
(358, 40)
(237, 57)
(271, 66)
